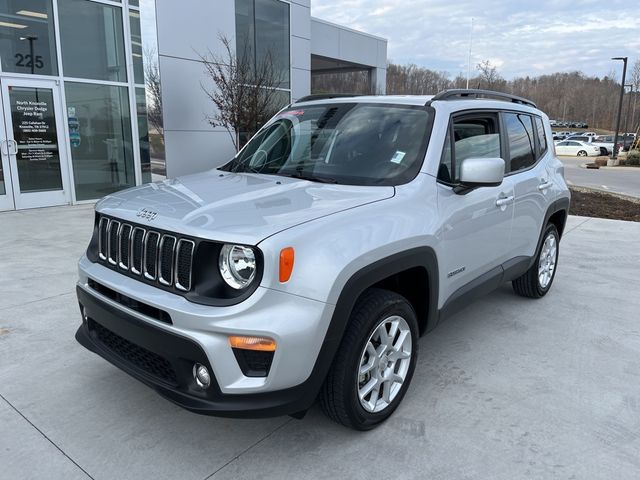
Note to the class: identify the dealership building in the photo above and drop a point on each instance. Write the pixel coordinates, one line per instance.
(75, 104)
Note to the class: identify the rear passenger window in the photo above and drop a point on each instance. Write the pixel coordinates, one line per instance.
(521, 147)
(542, 137)
(475, 136)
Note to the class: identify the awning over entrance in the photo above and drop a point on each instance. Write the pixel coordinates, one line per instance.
(344, 60)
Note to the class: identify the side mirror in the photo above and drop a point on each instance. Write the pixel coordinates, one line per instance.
(480, 172)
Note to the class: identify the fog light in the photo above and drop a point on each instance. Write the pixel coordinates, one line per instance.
(201, 374)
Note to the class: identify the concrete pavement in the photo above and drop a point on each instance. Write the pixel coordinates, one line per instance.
(624, 180)
(509, 388)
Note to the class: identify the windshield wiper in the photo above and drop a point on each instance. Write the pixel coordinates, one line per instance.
(311, 178)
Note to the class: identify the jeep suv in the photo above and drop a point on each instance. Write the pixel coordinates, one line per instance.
(308, 266)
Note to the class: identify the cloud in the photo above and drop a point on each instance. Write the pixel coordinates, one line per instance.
(520, 37)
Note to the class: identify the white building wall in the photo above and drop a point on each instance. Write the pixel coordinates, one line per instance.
(300, 49)
(192, 144)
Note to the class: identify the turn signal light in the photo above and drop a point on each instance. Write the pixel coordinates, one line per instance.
(260, 344)
(286, 264)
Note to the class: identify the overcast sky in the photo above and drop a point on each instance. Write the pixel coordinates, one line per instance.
(520, 37)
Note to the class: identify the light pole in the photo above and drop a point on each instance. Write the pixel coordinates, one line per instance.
(614, 155)
(31, 39)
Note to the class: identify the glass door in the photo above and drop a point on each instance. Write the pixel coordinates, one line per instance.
(33, 144)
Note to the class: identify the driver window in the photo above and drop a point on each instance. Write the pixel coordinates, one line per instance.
(474, 136)
(274, 149)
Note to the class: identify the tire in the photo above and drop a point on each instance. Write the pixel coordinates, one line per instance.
(339, 398)
(534, 283)
(582, 153)
(604, 151)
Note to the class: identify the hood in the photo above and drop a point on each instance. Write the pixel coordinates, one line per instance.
(235, 207)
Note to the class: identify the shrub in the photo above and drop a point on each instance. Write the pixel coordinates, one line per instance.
(633, 157)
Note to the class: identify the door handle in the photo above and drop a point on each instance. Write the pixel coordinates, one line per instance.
(15, 147)
(502, 201)
(544, 185)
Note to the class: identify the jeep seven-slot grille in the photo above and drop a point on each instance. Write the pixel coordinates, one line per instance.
(158, 257)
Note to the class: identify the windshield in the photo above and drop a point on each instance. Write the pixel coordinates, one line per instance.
(349, 143)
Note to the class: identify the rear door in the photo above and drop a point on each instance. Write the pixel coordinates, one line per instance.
(528, 150)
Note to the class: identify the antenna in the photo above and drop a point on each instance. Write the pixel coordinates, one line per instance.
(469, 58)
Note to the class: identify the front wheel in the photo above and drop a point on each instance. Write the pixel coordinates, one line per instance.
(536, 281)
(375, 362)
(582, 153)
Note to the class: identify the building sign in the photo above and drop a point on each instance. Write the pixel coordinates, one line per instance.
(34, 126)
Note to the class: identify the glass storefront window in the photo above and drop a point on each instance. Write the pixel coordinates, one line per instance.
(100, 137)
(262, 30)
(143, 135)
(136, 46)
(272, 35)
(27, 38)
(245, 36)
(92, 40)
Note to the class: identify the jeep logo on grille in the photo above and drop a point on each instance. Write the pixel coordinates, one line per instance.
(147, 214)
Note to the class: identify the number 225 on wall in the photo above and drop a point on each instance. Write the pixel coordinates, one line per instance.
(28, 61)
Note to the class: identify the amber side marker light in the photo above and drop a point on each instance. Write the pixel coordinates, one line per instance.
(287, 257)
(260, 344)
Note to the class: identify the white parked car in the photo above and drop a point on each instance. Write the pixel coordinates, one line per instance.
(590, 134)
(574, 147)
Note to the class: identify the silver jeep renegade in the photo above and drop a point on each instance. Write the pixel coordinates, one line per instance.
(308, 266)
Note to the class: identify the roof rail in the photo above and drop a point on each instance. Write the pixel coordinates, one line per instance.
(325, 96)
(461, 93)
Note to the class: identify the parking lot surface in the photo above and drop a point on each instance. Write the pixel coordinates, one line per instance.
(508, 388)
(624, 180)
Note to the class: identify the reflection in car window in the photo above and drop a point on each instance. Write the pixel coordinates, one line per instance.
(520, 133)
(475, 137)
(350, 143)
(542, 136)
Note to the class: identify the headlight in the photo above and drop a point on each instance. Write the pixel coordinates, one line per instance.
(237, 265)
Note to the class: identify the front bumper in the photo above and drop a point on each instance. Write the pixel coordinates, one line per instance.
(163, 355)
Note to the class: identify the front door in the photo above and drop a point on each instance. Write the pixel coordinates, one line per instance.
(34, 170)
(477, 231)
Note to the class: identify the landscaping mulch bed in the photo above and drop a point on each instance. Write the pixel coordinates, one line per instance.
(591, 203)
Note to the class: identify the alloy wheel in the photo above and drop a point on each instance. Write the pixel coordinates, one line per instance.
(547, 260)
(384, 364)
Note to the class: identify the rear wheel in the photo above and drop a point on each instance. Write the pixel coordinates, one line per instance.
(374, 365)
(536, 282)
(582, 153)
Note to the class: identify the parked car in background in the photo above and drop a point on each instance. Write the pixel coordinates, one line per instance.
(624, 141)
(590, 134)
(605, 147)
(577, 148)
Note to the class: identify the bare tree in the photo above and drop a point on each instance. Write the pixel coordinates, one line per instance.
(489, 76)
(154, 91)
(635, 75)
(244, 89)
